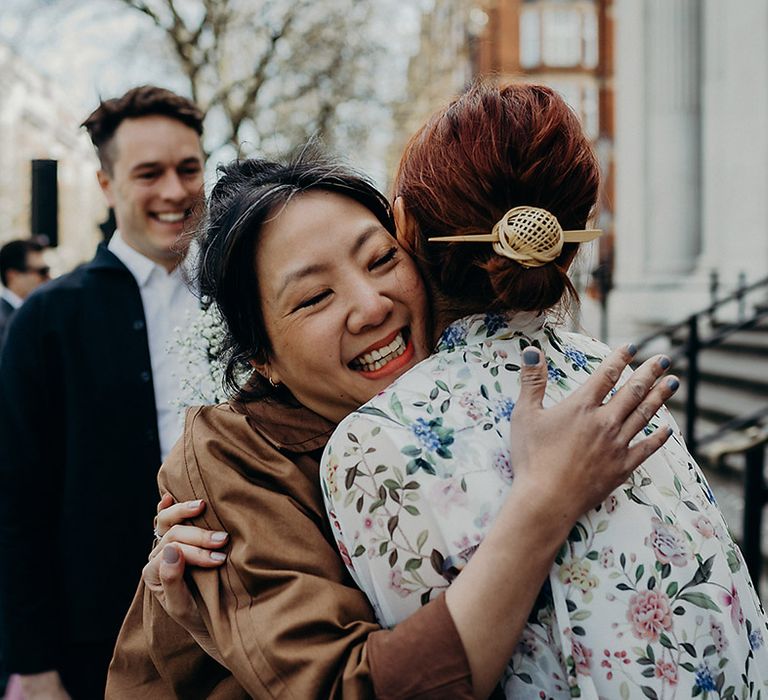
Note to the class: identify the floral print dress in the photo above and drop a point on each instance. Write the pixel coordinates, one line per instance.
(649, 596)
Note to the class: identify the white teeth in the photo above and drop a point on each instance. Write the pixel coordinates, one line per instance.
(170, 217)
(376, 359)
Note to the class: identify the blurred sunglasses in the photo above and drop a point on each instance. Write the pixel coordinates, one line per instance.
(43, 271)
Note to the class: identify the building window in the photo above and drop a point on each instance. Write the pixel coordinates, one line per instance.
(558, 35)
(589, 37)
(562, 37)
(583, 97)
(530, 37)
(590, 110)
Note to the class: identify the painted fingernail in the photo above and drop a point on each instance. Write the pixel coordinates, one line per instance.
(193, 504)
(664, 362)
(669, 431)
(673, 384)
(632, 349)
(170, 555)
(218, 556)
(530, 357)
(218, 536)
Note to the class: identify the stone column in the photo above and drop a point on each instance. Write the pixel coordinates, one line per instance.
(735, 140)
(672, 85)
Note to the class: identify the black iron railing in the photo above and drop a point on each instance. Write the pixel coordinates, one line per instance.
(687, 339)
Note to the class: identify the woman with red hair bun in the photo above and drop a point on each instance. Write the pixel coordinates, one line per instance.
(648, 596)
(495, 538)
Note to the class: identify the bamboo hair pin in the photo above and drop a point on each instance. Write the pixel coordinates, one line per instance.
(529, 235)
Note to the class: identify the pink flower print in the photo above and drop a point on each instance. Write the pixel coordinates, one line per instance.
(472, 402)
(606, 557)
(344, 553)
(502, 466)
(582, 656)
(444, 494)
(528, 644)
(368, 522)
(579, 574)
(732, 601)
(718, 634)
(396, 582)
(704, 527)
(611, 504)
(666, 671)
(669, 544)
(649, 614)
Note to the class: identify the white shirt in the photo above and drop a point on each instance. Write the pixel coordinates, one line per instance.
(168, 303)
(13, 299)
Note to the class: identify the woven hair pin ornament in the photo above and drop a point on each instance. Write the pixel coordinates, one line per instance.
(529, 235)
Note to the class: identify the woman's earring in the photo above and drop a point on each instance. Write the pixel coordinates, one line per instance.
(272, 383)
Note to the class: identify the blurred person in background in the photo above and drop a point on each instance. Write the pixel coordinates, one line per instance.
(87, 383)
(22, 270)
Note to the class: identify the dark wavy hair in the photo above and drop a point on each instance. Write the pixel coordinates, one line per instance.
(246, 195)
(142, 101)
(492, 149)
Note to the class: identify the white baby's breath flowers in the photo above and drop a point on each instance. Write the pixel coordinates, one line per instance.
(198, 347)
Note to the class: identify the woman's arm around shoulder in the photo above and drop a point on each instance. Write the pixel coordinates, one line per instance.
(282, 611)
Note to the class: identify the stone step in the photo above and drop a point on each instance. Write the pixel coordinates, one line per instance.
(719, 403)
(722, 367)
(752, 341)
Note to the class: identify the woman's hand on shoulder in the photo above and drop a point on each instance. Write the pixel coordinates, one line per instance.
(574, 454)
(197, 544)
(178, 545)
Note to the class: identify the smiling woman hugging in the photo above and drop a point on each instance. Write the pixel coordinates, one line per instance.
(302, 261)
(648, 595)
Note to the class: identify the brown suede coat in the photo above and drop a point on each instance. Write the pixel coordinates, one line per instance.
(283, 612)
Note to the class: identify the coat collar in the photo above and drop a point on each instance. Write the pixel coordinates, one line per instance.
(106, 260)
(292, 428)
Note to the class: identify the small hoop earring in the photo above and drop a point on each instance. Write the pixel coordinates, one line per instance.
(272, 383)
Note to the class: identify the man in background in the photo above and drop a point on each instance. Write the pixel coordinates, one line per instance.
(22, 270)
(86, 385)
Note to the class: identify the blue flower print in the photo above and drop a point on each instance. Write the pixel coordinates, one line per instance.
(576, 357)
(755, 640)
(433, 436)
(502, 409)
(424, 434)
(704, 679)
(553, 373)
(452, 337)
(492, 323)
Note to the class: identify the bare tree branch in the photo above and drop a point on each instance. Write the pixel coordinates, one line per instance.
(268, 68)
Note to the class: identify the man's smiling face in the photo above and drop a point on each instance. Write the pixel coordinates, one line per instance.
(156, 177)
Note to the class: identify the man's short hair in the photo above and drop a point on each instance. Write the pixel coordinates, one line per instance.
(13, 256)
(143, 101)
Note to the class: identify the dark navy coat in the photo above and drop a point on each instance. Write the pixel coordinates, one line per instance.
(79, 454)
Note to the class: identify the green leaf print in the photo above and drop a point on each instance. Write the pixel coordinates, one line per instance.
(734, 563)
(419, 463)
(397, 408)
(437, 561)
(371, 411)
(701, 600)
